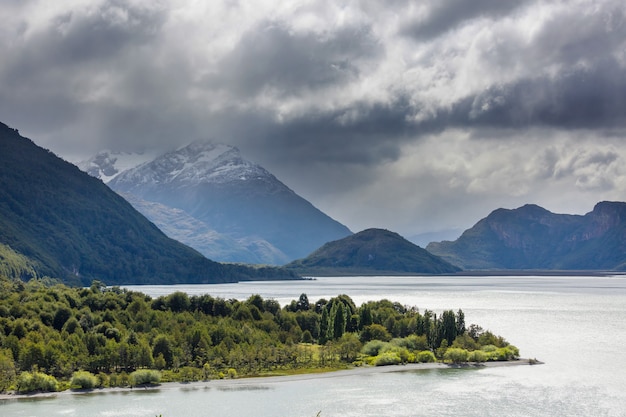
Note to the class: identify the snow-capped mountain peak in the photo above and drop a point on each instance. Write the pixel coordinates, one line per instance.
(107, 164)
(196, 163)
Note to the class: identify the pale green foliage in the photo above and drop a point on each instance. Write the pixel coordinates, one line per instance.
(145, 377)
(387, 358)
(425, 356)
(456, 355)
(373, 347)
(7, 370)
(83, 380)
(36, 381)
(477, 356)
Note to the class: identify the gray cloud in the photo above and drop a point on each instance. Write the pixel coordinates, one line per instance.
(407, 110)
(583, 98)
(439, 17)
(271, 56)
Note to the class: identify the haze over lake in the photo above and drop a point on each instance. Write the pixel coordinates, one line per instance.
(576, 325)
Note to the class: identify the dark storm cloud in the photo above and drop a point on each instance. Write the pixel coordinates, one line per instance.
(359, 98)
(442, 16)
(584, 98)
(71, 40)
(363, 134)
(271, 56)
(49, 70)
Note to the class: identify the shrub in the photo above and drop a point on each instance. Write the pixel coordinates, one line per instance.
(83, 380)
(375, 332)
(402, 352)
(426, 356)
(387, 358)
(478, 356)
(145, 377)
(456, 355)
(36, 381)
(373, 347)
(507, 353)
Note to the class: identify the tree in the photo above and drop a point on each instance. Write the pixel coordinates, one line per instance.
(60, 317)
(7, 370)
(338, 320)
(324, 327)
(375, 332)
(460, 322)
(303, 303)
(448, 328)
(178, 301)
(365, 316)
(163, 347)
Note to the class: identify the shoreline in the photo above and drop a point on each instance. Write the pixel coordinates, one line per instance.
(264, 380)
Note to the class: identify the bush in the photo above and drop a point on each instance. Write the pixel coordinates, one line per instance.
(402, 352)
(83, 380)
(456, 355)
(145, 377)
(507, 353)
(36, 381)
(425, 356)
(412, 342)
(387, 358)
(478, 356)
(373, 347)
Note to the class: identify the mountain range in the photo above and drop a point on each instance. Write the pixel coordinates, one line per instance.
(372, 251)
(531, 237)
(230, 209)
(56, 220)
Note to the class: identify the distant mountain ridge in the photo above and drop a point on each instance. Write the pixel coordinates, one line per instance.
(69, 225)
(233, 197)
(531, 237)
(372, 251)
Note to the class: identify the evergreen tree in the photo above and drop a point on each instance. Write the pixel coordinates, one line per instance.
(324, 327)
(365, 316)
(460, 323)
(339, 320)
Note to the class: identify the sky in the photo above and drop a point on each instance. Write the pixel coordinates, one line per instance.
(414, 116)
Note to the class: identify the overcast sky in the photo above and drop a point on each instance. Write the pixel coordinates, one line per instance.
(414, 116)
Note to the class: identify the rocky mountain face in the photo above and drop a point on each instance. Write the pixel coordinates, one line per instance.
(181, 226)
(372, 251)
(56, 220)
(247, 214)
(531, 237)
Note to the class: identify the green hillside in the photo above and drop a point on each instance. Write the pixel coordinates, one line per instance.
(73, 227)
(372, 251)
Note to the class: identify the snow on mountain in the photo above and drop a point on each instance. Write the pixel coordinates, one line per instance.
(107, 164)
(192, 165)
(231, 196)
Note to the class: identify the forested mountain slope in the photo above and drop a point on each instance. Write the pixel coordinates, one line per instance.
(73, 227)
(372, 251)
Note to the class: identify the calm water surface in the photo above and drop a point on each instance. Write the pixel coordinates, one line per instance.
(577, 325)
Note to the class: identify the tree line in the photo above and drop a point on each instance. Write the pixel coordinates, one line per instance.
(55, 337)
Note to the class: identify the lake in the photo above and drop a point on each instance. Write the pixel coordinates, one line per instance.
(576, 325)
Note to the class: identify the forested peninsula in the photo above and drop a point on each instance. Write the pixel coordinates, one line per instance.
(54, 337)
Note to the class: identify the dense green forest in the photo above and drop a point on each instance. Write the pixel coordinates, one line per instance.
(54, 337)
